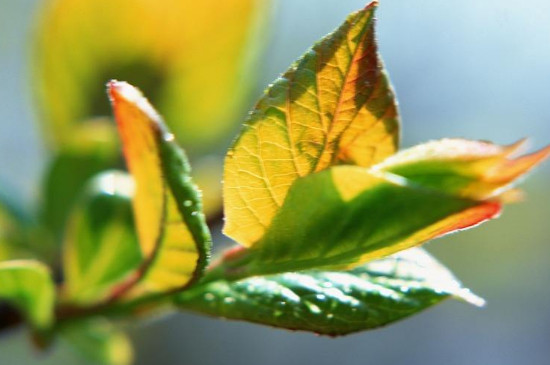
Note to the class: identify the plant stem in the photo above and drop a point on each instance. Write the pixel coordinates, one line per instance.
(231, 266)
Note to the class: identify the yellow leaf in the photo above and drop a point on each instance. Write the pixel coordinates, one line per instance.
(167, 207)
(187, 55)
(334, 106)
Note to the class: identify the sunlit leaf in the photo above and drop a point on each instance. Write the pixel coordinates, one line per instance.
(171, 228)
(346, 215)
(333, 302)
(101, 247)
(91, 148)
(333, 106)
(187, 55)
(27, 285)
(474, 169)
(98, 341)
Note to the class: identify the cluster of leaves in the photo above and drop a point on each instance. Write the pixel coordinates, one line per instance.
(327, 213)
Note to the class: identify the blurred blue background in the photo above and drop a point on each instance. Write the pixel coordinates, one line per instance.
(475, 69)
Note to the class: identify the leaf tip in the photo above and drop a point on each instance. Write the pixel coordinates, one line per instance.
(114, 88)
(122, 92)
(473, 217)
(511, 169)
(469, 297)
(516, 147)
(371, 6)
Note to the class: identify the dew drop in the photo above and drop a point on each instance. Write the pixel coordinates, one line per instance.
(313, 308)
(188, 203)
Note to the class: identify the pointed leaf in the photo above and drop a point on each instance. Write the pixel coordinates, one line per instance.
(333, 302)
(27, 284)
(184, 54)
(168, 211)
(333, 106)
(347, 215)
(101, 246)
(474, 169)
(99, 342)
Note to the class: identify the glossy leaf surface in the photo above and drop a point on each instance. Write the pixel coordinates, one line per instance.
(28, 286)
(101, 246)
(186, 55)
(333, 106)
(333, 302)
(171, 228)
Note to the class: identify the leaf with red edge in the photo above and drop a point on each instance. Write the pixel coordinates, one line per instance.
(474, 169)
(171, 227)
(347, 215)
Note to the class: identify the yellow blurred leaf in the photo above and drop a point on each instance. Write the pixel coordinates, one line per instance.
(193, 58)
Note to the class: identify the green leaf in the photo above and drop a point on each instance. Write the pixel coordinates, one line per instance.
(187, 55)
(91, 148)
(171, 227)
(473, 169)
(17, 228)
(27, 284)
(13, 228)
(333, 106)
(333, 302)
(98, 341)
(13, 207)
(347, 215)
(101, 247)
